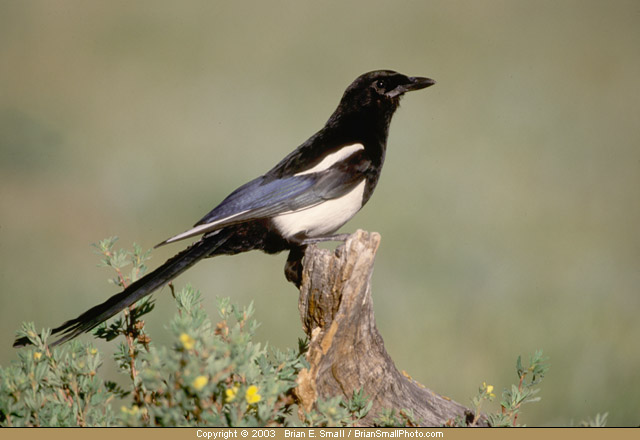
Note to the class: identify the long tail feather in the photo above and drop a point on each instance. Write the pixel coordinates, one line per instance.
(137, 290)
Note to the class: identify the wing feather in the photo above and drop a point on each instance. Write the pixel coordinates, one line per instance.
(266, 196)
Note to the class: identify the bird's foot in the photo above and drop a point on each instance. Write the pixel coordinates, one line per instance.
(293, 266)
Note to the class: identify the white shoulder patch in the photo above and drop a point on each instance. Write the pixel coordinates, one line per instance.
(333, 158)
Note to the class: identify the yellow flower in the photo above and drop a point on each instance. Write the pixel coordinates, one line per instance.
(93, 351)
(488, 389)
(133, 411)
(252, 395)
(187, 341)
(37, 355)
(200, 382)
(231, 393)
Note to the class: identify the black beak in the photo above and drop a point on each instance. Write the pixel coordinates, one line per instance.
(415, 83)
(418, 83)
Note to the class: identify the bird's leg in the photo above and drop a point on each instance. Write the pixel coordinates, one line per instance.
(293, 266)
(335, 237)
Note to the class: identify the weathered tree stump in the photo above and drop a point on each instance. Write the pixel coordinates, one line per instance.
(346, 351)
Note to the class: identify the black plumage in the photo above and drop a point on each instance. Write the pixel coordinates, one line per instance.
(306, 197)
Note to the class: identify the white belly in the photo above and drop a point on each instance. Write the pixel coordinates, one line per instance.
(322, 219)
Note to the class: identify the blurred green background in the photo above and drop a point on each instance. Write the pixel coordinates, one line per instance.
(508, 207)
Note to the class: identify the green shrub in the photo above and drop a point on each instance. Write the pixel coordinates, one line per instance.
(209, 375)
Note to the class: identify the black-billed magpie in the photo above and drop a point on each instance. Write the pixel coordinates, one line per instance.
(305, 198)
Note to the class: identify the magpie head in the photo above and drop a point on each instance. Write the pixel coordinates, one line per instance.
(380, 91)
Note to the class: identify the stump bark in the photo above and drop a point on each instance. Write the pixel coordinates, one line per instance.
(346, 351)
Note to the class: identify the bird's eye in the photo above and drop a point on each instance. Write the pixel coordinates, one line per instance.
(381, 84)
